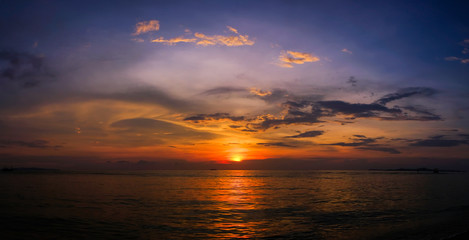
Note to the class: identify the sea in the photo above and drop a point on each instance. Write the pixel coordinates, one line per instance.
(233, 204)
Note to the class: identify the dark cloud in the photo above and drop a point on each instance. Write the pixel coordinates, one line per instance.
(359, 136)
(355, 142)
(302, 112)
(380, 149)
(378, 110)
(359, 110)
(214, 116)
(276, 144)
(224, 90)
(249, 130)
(406, 92)
(43, 144)
(420, 114)
(274, 96)
(364, 143)
(439, 143)
(353, 81)
(26, 70)
(267, 122)
(307, 134)
(308, 110)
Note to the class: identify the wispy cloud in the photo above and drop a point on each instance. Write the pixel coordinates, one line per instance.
(173, 41)
(406, 92)
(276, 144)
(345, 50)
(214, 116)
(223, 90)
(362, 142)
(210, 40)
(43, 144)
(237, 40)
(439, 143)
(462, 60)
(465, 44)
(146, 26)
(307, 134)
(288, 58)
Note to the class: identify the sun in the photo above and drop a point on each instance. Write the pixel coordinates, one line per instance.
(237, 158)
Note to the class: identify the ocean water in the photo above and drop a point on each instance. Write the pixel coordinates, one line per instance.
(233, 204)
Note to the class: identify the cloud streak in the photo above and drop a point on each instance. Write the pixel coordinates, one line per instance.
(307, 134)
(42, 144)
(173, 41)
(210, 40)
(345, 50)
(214, 116)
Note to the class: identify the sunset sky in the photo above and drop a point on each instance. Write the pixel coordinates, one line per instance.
(234, 84)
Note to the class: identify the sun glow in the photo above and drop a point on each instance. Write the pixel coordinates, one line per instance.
(237, 158)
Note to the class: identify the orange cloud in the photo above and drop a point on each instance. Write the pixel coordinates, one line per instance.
(259, 92)
(208, 40)
(239, 40)
(288, 58)
(232, 29)
(146, 26)
(173, 41)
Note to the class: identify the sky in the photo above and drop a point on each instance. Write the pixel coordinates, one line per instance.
(234, 84)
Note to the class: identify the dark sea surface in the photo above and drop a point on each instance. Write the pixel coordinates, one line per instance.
(233, 204)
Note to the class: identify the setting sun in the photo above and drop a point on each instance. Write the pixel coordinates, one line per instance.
(237, 158)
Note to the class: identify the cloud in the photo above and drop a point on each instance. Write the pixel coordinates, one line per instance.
(297, 113)
(353, 81)
(25, 69)
(239, 40)
(288, 58)
(42, 144)
(379, 110)
(345, 50)
(152, 131)
(364, 143)
(406, 92)
(357, 140)
(214, 116)
(439, 143)
(259, 92)
(232, 29)
(276, 144)
(210, 40)
(272, 96)
(380, 149)
(356, 109)
(307, 134)
(173, 41)
(146, 26)
(149, 95)
(223, 90)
